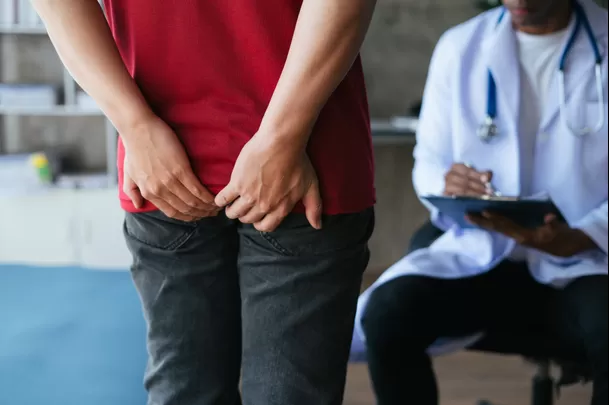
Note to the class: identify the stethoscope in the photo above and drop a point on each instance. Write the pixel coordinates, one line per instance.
(488, 129)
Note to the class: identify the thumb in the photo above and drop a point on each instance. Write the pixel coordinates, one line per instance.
(486, 176)
(133, 192)
(313, 205)
(551, 220)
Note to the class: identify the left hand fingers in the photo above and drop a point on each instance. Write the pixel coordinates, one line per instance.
(502, 225)
(482, 222)
(550, 219)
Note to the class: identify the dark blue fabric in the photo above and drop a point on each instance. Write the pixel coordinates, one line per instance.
(70, 336)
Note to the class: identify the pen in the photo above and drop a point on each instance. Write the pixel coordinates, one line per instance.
(490, 189)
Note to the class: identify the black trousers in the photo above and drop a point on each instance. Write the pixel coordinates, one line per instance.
(405, 316)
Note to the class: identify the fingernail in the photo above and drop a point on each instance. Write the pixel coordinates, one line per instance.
(484, 178)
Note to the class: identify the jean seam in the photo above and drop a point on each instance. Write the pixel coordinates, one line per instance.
(137, 267)
(273, 242)
(160, 291)
(180, 241)
(281, 249)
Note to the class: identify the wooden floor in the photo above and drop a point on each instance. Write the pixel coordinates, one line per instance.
(467, 377)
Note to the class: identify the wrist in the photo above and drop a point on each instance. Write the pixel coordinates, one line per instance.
(578, 241)
(127, 113)
(134, 124)
(290, 126)
(284, 136)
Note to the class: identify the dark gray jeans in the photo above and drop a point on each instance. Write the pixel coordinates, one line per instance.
(222, 300)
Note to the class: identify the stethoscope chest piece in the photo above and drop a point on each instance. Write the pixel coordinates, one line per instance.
(488, 130)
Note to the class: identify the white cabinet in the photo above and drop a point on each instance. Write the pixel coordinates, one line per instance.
(64, 228)
(100, 229)
(38, 230)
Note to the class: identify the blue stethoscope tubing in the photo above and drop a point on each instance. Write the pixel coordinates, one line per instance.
(488, 129)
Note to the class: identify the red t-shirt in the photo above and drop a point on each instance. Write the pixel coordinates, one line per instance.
(209, 69)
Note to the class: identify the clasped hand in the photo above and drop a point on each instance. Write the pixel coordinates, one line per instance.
(158, 169)
(269, 178)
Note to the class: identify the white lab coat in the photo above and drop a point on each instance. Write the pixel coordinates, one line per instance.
(572, 170)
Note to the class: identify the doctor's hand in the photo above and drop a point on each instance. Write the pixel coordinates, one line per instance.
(462, 180)
(268, 179)
(554, 237)
(157, 169)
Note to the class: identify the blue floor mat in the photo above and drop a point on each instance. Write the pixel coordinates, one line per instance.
(70, 337)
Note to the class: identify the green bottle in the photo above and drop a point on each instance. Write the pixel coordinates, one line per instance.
(43, 167)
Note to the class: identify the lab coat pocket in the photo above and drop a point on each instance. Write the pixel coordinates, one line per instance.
(595, 115)
(594, 144)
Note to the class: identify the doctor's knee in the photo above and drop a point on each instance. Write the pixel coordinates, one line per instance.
(397, 314)
(587, 297)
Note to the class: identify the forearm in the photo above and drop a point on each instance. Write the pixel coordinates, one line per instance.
(326, 42)
(82, 38)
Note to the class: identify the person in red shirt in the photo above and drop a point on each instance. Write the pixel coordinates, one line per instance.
(246, 173)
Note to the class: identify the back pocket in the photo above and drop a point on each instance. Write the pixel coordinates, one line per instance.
(296, 237)
(157, 230)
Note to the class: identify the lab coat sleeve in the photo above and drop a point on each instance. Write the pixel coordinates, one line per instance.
(433, 152)
(595, 225)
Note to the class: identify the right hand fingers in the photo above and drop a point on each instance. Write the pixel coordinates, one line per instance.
(463, 180)
(473, 174)
(460, 186)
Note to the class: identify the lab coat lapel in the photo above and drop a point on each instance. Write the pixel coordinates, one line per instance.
(579, 67)
(502, 59)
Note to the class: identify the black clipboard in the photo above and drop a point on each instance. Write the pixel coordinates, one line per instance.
(529, 213)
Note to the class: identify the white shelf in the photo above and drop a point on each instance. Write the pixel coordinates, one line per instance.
(58, 111)
(391, 140)
(22, 30)
(407, 125)
(34, 27)
(396, 131)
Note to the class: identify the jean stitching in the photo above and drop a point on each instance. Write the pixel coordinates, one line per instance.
(275, 244)
(171, 246)
(365, 238)
(160, 291)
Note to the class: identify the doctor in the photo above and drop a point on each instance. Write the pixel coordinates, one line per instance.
(516, 103)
